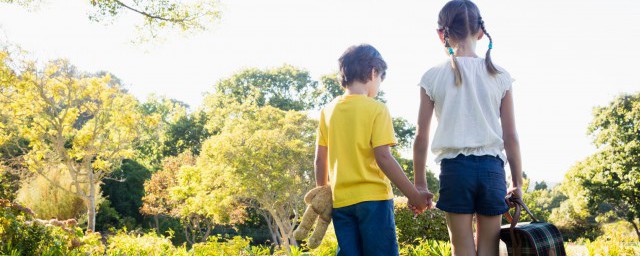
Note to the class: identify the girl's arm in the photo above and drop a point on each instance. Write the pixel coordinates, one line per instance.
(394, 172)
(511, 143)
(421, 144)
(321, 168)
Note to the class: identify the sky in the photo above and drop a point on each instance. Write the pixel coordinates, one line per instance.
(567, 56)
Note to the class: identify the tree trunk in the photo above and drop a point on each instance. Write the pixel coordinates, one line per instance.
(635, 226)
(91, 208)
(282, 230)
(272, 230)
(155, 219)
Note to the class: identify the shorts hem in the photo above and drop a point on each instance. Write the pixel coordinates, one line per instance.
(493, 212)
(454, 210)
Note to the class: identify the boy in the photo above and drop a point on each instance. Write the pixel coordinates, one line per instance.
(354, 135)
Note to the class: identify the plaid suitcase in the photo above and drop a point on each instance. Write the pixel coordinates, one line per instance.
(531, 238)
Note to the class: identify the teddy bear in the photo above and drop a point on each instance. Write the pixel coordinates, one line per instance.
(319, 205)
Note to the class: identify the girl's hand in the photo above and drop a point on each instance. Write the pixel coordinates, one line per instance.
(513, 192)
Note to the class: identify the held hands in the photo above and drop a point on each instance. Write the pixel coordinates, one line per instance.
(424, 202)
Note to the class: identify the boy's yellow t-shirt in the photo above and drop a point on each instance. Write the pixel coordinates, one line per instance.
(351, 126)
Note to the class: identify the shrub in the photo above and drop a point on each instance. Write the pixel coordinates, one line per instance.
(146, 244)
(49, 201)
(426, 248)
(329, 245)
(216, 245)
(429, 225)
(21, 234)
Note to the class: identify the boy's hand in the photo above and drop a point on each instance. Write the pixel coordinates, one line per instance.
(424, 202)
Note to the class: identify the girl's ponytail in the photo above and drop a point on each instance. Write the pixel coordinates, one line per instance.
(454, 61)
(487, 60)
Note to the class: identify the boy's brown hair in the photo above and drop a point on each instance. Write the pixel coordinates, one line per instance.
(357, 63)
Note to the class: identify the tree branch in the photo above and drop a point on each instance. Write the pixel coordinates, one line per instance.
(149, 15)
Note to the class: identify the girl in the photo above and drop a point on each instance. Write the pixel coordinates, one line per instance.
(474, 105)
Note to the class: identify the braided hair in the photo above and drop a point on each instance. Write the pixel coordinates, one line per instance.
(458, 20)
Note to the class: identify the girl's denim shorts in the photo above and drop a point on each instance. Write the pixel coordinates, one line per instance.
(473, 184)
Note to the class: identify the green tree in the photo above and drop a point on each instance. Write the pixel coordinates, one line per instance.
(268, 152)
(286, 88)
(79, 121)
(574, 217)
(160, 114)
(125, 191)
(612, 174)
(156, 15)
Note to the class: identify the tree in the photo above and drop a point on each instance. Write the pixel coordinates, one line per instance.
(612, 175)
(125, 193)
(160, 114)
(268, 152)
(81, 122)
(156, 15)
(574, 217)
(157, 201)
(540, 186)
(286, 88)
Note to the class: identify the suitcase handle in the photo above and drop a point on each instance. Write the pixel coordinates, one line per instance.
(515, 219)
(519, 206)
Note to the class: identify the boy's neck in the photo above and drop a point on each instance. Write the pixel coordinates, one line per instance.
(357, 88)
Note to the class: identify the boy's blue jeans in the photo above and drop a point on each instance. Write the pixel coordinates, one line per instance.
(366, 228)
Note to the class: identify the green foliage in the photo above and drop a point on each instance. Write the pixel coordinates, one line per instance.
(407, 165)
(20, 234)
(108, 218)
(155, 16)
(286, 88)
(216, 245)
(84, 123)
(425, 247)
(145, 244)
(573, 217)
(614, 248)
(264, 155)
(125, 195)
(405, 132)
(9, 183)
(541, 201)
(47, 200)
(329, 244)
(428, 225)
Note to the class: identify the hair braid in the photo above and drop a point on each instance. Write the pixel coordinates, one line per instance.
(487, 60)
(454, 62)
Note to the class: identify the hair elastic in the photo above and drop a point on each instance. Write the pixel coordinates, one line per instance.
(490, 45)
(451, 50)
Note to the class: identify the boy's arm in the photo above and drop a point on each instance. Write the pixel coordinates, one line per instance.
(421, 144)
(394, 172)
(511, 143)
(321, 168)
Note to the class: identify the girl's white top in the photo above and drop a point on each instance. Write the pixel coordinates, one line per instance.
(468, 115)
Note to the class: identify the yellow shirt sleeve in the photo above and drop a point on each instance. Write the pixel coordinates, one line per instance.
(382, 133)
(321, 133)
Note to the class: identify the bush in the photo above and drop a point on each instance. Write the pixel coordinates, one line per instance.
(21, 234)
(216, 245)
(429, 225)
(427, 248)
(49, 201)
(329, 245)
(146, 244)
